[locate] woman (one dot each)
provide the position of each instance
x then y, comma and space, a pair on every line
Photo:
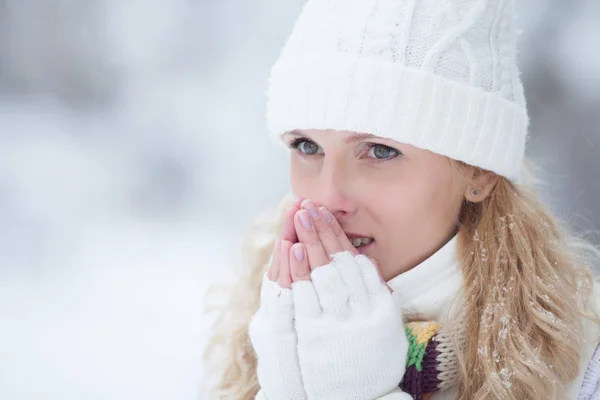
407, 125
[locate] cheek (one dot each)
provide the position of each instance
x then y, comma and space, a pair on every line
436, 197
423, 201
446, 195
403, 206
301, 178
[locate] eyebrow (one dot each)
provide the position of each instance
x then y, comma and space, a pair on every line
358, 136
352, 138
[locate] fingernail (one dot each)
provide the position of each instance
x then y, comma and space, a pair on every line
298, 252
305, 220
312, 209
326, 214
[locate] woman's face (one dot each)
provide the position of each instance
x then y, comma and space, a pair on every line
404, 198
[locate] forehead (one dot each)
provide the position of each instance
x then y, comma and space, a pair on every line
346, 136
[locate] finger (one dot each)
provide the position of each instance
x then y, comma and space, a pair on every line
285, 279
288, 231
308, 236
371, 277
306, 301
299, 267
273, 273
322, 220
383, 281
341, 235
298, 201
333, 293
265, 293
281, 309
348, 269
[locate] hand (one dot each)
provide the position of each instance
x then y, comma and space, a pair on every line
351, 340
271, 329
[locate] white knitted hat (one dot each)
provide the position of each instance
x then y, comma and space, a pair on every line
437, 74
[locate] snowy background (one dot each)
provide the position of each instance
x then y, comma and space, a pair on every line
133, 154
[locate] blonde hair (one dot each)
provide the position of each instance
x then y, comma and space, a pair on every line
527, 291
229, 358
527, 283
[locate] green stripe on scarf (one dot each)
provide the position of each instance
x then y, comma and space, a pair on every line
416, 351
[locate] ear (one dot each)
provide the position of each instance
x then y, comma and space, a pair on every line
480, 185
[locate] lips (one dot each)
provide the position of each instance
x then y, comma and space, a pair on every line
361, 241
365, 247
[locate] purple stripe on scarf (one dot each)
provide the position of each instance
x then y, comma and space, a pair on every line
411, 383
418, 384
431, 382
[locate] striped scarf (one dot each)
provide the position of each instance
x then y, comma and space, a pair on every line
431, 364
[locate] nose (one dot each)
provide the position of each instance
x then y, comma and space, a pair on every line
333, 190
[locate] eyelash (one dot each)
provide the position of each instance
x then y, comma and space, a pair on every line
294, 144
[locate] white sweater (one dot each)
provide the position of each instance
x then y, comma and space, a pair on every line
426, 292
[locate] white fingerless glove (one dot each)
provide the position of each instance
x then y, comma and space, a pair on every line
274, 339
351, 340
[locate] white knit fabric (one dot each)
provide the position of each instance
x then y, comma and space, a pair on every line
339, 341
590, 388
432, 291
351, 340
395, 395
428, 291
437, 74
274, 339
351, 343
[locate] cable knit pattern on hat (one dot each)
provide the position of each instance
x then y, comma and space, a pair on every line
437, 74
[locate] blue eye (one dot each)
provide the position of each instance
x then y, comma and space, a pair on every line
305, 146
382, 152
378, 152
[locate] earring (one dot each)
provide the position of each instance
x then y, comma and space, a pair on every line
475, 192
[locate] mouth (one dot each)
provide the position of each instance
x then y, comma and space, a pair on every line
361, 243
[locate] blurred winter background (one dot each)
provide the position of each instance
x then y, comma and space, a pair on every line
133, 154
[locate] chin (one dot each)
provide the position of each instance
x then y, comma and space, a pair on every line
371, 252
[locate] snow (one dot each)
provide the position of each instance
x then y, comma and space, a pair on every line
133, 154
